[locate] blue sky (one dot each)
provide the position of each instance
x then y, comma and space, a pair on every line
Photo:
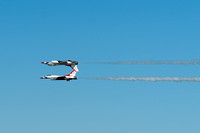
98, 31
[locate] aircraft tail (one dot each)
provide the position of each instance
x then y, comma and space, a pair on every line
75, 68
72, 74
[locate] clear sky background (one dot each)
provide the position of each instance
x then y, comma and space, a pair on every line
98, 31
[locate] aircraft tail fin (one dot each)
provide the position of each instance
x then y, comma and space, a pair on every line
75, 68
72, 74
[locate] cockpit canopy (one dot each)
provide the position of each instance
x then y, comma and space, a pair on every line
54, 61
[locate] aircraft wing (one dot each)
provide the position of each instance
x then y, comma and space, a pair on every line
61, 78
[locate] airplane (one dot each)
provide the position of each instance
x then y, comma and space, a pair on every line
57, 62
71, 76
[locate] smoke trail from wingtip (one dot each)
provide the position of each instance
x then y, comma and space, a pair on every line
154, 79
176, 62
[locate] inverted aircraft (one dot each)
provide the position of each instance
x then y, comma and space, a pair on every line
57, 62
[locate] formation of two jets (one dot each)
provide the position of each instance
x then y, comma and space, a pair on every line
71, 76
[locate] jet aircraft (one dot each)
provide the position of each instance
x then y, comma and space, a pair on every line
71, 76
57, 62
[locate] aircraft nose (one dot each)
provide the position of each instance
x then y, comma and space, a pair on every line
43, 62
41, 77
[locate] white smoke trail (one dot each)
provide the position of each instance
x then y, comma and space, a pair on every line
175, 79
176, 62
